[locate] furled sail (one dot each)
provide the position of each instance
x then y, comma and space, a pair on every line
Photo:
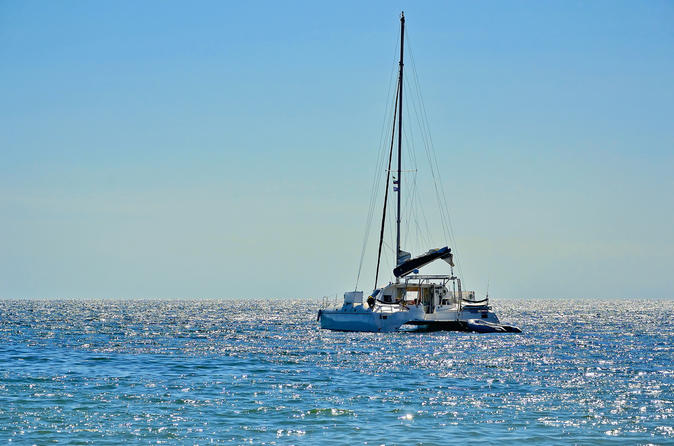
410, 265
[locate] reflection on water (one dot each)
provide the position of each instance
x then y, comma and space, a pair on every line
260, 370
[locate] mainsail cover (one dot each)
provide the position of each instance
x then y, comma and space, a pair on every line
417, 262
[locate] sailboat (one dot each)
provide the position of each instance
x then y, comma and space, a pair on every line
435, 302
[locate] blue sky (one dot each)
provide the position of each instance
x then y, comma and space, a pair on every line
207, 149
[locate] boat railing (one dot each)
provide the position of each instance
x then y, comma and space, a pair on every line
430, 277
387, 309
423, 279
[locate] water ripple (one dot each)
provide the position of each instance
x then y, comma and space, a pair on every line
81, 371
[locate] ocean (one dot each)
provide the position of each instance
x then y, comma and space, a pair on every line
261, 372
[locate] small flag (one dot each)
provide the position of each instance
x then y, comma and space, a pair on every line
395, 189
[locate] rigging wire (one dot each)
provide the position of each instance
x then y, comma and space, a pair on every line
388, 179
416, 206
413, 205
431, 154
376, 180
411, 200
427, 240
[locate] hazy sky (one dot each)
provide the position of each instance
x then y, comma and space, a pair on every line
214, 149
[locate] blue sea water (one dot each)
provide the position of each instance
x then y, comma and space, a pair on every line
261, 372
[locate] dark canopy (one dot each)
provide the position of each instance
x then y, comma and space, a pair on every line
417, 262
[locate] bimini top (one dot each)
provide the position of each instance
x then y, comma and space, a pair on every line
410, 265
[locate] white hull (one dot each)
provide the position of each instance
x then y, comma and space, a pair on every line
452, 314
454, 319
387, 318
383, 318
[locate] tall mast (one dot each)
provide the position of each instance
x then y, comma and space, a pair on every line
400, 129
388, 177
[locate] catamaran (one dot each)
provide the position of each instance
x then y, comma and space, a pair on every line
431, 301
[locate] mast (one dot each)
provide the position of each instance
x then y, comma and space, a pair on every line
400, 129
388, 177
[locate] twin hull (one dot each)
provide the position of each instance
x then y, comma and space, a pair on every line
388, 318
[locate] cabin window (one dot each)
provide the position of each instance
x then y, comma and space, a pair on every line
384, 317
411, 296
387, 298
484, 315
